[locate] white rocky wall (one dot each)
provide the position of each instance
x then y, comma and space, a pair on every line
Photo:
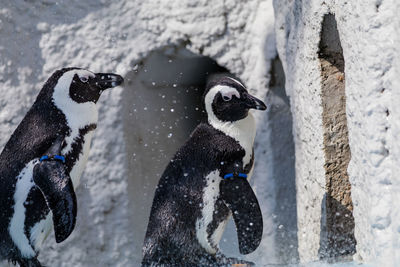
395, 148
368, 33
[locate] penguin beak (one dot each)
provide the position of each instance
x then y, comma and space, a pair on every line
108, 80
253, 102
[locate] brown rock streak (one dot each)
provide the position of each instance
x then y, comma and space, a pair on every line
339, 206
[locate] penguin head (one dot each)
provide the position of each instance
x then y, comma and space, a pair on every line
227, 100
83, 85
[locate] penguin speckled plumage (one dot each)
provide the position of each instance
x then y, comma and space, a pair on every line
43, 160
205, 182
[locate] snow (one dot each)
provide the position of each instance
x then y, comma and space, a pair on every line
243, 37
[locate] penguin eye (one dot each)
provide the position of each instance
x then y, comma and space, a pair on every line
227, 97
227, 93
84, 79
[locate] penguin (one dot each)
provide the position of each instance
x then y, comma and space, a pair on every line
42, 162
205, 183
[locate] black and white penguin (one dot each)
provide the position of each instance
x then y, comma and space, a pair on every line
42, 162
207, 181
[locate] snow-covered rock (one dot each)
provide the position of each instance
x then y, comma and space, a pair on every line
368, 32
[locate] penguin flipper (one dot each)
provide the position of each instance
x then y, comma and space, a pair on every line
56, 187
241, 200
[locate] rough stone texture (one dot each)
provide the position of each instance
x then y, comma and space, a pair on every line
337, 231
297, 47
394, 132
367, 31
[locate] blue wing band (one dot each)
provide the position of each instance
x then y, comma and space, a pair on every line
240, 174
55, 157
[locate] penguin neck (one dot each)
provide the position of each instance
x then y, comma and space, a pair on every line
78, 115
243, 131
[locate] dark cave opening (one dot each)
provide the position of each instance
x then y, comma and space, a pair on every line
162, 106
280, 121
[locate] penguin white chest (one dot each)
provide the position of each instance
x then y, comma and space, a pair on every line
210, 196
81, 161
16, 227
